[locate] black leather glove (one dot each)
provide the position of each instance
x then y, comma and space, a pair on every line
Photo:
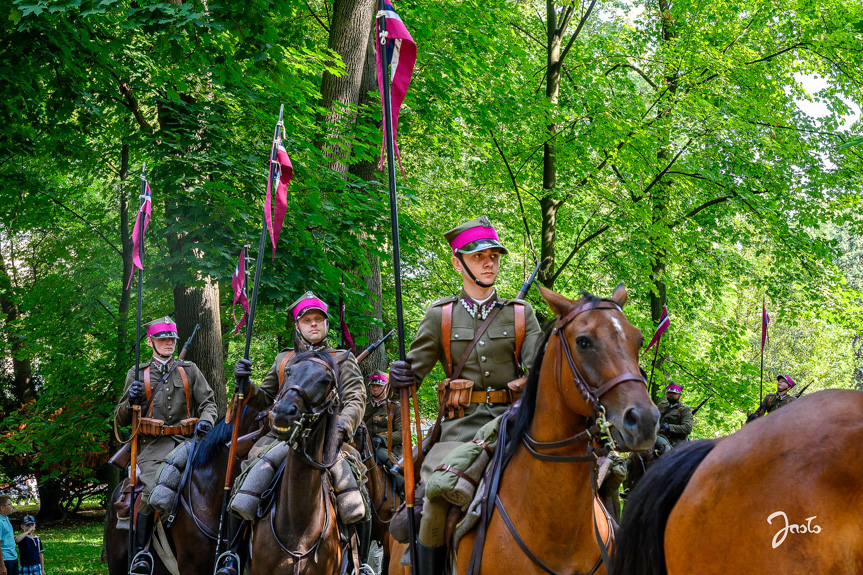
243, 374
344, 432
402, 375
136, 392
664, 428
203, 427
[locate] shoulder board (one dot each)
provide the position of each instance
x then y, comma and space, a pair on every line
443, 300
186, 363
514, 301
662, 404
286, 350
143, 364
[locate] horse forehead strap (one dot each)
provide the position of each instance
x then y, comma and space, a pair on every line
601, 304
326, 366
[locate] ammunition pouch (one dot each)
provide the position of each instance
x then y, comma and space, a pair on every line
454, 395
516, 387
153, 427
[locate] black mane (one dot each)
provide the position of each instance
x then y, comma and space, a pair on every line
527, 403
210, 446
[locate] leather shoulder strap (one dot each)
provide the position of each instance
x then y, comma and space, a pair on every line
482, 328
282, 365
519, 330
148, 389
185, 389
446, 333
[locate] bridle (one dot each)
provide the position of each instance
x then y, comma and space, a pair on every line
303, 425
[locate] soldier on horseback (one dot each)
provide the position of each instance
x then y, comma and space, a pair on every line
482, 341
675, 418
782, 397
383, 421
177, 402
311, 324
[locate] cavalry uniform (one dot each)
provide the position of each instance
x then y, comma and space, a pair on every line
675, 419
377, 419
182, 405
773, 401
185, 395
490, 366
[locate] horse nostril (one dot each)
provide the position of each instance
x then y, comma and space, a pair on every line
630, 418
293, 411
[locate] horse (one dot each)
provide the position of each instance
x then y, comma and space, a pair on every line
385, 499
196, 524
542, 514
298, 532
782, 494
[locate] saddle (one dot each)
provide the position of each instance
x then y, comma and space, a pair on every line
123, 504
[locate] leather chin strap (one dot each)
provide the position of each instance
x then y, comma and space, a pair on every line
460, 257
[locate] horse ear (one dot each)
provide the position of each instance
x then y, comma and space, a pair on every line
558, 304
620, 296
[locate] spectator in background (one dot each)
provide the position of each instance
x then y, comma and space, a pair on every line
30, 548
8, 553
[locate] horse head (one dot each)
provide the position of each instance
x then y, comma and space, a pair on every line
309, 392
596, 359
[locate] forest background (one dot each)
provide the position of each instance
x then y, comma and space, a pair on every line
708, 154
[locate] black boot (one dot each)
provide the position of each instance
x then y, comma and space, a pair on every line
432, 560
143, 564
230, 565
364, 540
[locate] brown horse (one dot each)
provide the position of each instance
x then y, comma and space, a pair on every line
299, 532
197, 522
782, 495
384, 498
585, 373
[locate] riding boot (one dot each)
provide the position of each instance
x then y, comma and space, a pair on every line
364, 538
143, 531
432, 560
233, 524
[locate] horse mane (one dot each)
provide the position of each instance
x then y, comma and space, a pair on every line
639, 547
211, 445
527, 403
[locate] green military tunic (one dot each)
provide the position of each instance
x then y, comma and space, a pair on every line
773, 401
169, 405
351, 390
376, 423
679, 420
491, 364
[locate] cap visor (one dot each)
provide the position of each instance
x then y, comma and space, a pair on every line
480, 245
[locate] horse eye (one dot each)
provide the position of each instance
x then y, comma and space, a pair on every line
583, 342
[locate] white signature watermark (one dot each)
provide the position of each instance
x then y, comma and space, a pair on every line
780, 536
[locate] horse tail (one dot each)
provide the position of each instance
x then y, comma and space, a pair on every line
639, 549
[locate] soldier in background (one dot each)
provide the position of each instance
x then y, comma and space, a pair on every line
383, 414
782, 397
181, 406
675, 418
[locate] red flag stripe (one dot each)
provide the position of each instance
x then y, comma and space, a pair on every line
137, 236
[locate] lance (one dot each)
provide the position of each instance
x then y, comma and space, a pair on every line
652, 365
404, 394
370, 349
237, 401
136, 408
761, 385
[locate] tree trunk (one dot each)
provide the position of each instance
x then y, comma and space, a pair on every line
366, 170
200, 305
349, 31
548, 204
50, 495
23, 386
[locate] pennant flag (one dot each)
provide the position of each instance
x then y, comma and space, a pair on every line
765, 319
664, 323
138, 236
281, 171
238, 282
401, 55
347, 340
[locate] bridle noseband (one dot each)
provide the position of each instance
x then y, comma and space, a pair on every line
302, 427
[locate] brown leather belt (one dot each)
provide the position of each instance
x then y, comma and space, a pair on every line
500, 396
167, 430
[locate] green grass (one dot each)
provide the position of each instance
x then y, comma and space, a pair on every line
73, 549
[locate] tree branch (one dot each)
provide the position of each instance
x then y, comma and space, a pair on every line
529, 35
517, 193
577, 31
637, 70
321, 22
779, 53
90, 225
132, 104
668, 167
